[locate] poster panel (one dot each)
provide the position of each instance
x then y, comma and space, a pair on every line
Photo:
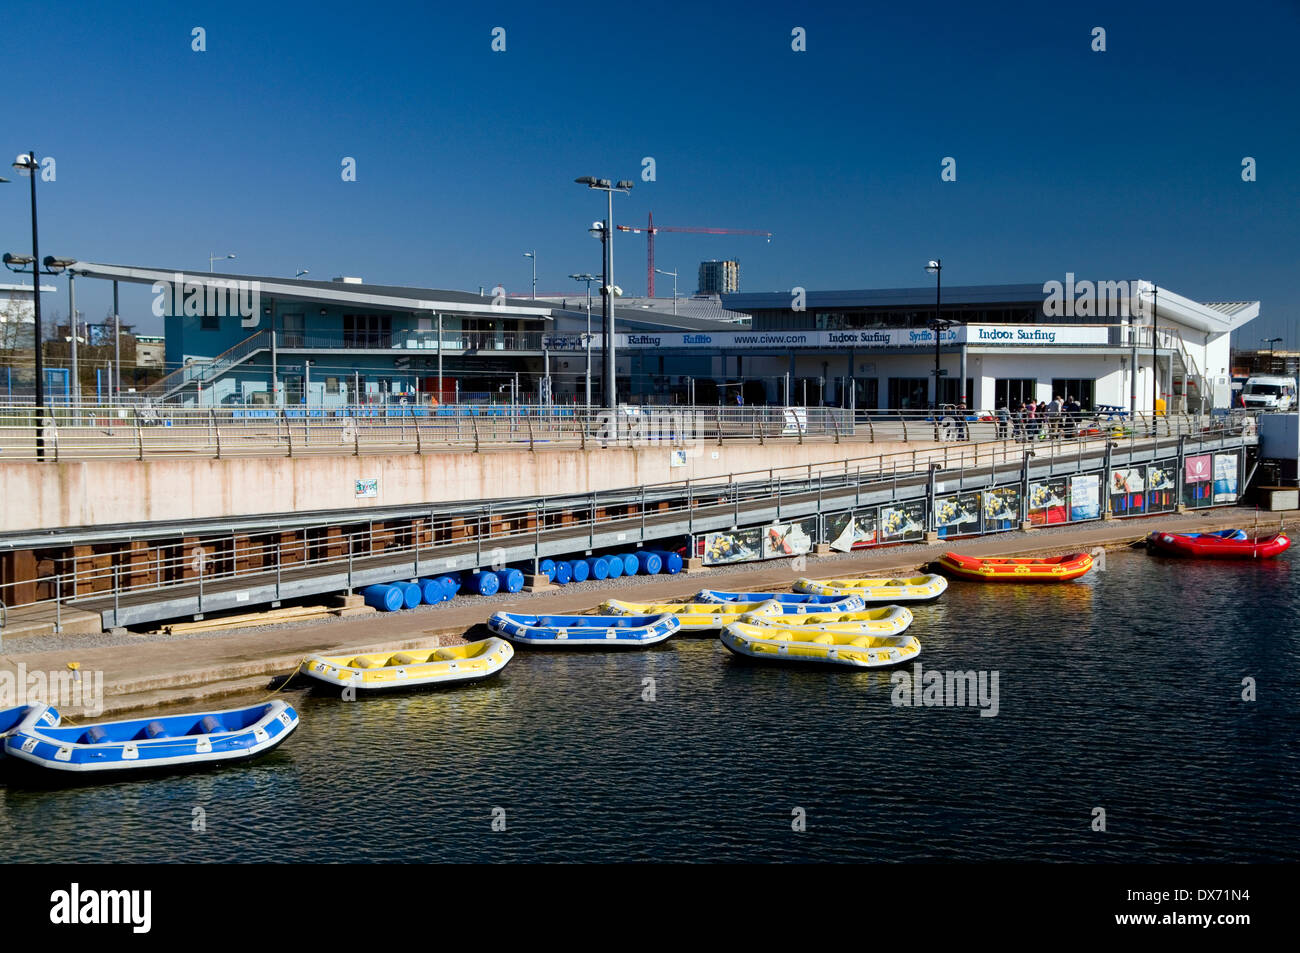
1162, 486
1047, 501
789, 539
1002, 508
1128, 491
902, 522
852, 530
957, 515
1225, 478
1198, 480
1085, 496
737, 546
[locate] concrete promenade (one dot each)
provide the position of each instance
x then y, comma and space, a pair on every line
156, 672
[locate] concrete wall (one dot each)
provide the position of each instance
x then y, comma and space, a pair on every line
110, 492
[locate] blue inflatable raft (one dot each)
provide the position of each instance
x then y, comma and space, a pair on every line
792, 603
144, 744
573, 631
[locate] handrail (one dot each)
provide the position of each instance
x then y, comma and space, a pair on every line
187, 373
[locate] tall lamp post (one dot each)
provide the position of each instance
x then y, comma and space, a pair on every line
938, 325
1270, 342
28, 166
533, 255
673, 276
586, 338
212, 259
1154, 292
607, 291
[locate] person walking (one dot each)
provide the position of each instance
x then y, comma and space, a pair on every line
1054, 417
1004, 420
1031, 420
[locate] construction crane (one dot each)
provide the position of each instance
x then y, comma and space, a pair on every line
651, 228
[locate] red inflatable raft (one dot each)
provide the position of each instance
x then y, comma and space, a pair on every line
1050, 569
1216, 547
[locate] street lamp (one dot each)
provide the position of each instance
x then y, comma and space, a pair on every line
938, 325
607, 290
1154, 292
586, 338
300, 272
533, 255
1270, 342
216, 258
27, 165
673, 275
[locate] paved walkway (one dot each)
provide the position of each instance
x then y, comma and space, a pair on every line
158, 672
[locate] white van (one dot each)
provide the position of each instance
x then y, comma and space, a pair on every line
1270, 393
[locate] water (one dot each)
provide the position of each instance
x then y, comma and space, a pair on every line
1121, 692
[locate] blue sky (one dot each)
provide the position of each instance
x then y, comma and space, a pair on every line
1119, 164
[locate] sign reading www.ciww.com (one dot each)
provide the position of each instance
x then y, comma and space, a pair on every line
209, 297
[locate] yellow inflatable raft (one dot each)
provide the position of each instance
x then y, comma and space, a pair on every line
411, 668
908, 589
773, 644
887, 620
694, 616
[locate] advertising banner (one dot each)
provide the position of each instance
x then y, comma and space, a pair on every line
789, 539
1128, 491
854, 530
1047, 502
1002, 508
1162, 486
1085, 496
957, 515
902, 521
1198, 480
737, 546
1225, 478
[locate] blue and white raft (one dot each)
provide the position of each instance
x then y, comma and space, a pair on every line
11, 718
144, 744
792, 603
574, 631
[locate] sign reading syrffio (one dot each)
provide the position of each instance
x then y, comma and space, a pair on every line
876, 339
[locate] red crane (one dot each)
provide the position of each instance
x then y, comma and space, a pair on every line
651, 228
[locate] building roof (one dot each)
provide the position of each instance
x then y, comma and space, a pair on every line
335, 292
1213, 318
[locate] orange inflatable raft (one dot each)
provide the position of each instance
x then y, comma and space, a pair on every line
1049, 569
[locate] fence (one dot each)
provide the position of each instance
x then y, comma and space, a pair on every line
146, 431
917, 484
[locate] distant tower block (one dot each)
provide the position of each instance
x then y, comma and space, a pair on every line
719, 277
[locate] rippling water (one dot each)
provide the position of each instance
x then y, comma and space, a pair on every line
1122, 692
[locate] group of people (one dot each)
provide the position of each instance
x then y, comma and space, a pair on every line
1045, 420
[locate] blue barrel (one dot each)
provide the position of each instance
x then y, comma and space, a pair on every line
649, 563
615, 565
580, 570
547, 568
599, 567
411, 594
484, 583
563, 573
512, 580
451, 583
432, 591
630, 564
672, 563
384, 598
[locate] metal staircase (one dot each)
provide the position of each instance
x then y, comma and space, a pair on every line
205, 372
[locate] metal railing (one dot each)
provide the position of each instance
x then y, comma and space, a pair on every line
220, 561
148, 431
